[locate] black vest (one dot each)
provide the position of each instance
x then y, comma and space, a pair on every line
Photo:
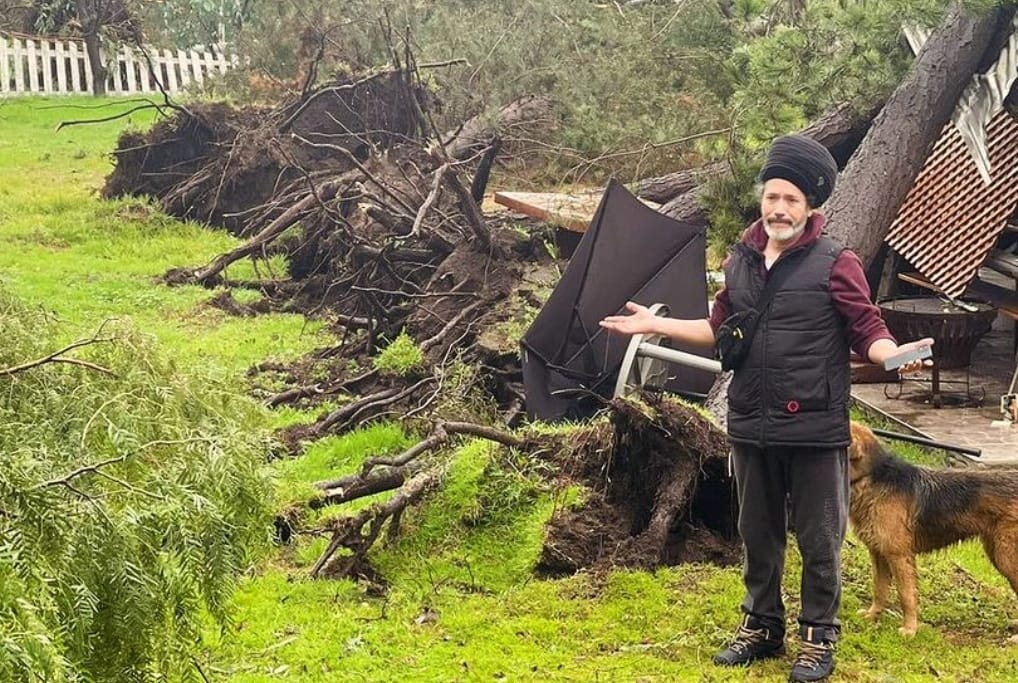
793, 388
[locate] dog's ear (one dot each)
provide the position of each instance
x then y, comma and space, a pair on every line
862, 440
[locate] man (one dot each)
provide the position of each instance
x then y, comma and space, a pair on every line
788, 400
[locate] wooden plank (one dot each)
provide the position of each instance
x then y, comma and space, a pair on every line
572, 211
210, 63
18, 51
144, 75
46, 65
5, 69
88, 68
61, 62
171, 72
127, 57
185, 69
115, 75
557, 209
196, 63
33, 66
77, 63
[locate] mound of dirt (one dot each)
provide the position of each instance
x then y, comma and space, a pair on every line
215, 163
659, 494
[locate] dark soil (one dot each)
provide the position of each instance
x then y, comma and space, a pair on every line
632, 516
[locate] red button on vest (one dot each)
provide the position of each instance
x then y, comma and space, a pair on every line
792, 406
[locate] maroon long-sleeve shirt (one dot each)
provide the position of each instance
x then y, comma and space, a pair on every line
849, 289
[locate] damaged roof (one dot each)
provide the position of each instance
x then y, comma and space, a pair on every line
951, 218
968, 187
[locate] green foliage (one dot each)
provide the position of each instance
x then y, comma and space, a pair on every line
401, 357
130, 501
177, 23
637, 90
792, 69
731, 201
789, 69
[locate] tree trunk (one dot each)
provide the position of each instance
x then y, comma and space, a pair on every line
95, 63
881, 172
479, 132
671, 185
89, 14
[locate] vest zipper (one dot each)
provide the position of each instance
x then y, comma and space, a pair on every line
766, 415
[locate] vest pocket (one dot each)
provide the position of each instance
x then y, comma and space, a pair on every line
800, 385
744, 394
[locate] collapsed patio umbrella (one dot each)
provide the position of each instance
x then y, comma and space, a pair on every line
630, 252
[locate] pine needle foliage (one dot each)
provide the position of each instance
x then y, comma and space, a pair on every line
129, 502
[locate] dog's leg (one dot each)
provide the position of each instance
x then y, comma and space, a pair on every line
1003, 552
881, 586
907, 582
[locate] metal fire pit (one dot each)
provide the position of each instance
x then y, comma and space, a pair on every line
955, 331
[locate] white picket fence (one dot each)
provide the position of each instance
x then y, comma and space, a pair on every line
32, 65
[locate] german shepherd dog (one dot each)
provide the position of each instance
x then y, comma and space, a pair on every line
899, 510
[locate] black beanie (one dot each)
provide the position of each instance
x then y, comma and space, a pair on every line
805, 163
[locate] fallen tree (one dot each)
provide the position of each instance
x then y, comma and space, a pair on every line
376, 219
872, 187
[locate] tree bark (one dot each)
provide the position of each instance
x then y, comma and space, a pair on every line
881, 172
480, 131
94, 52
671, 185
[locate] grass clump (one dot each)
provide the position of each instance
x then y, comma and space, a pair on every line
401, 357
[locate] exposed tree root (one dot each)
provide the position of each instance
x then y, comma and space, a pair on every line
356, 534
659, 492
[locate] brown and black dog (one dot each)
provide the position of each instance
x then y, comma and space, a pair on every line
899, 510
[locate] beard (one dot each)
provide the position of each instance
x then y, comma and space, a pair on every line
784, 232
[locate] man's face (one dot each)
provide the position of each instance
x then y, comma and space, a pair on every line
784, 210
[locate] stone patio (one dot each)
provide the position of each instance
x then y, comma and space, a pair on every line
964, 419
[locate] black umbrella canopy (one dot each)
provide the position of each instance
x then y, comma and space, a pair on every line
630, 252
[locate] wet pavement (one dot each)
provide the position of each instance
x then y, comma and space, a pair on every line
970, 414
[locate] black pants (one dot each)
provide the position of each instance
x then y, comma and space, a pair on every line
815, 483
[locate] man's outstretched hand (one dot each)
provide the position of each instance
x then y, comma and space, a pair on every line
639, 321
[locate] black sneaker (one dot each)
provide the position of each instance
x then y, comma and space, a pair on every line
815, 660
754, 640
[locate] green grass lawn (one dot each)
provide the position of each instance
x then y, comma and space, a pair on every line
461, 603
88, 260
